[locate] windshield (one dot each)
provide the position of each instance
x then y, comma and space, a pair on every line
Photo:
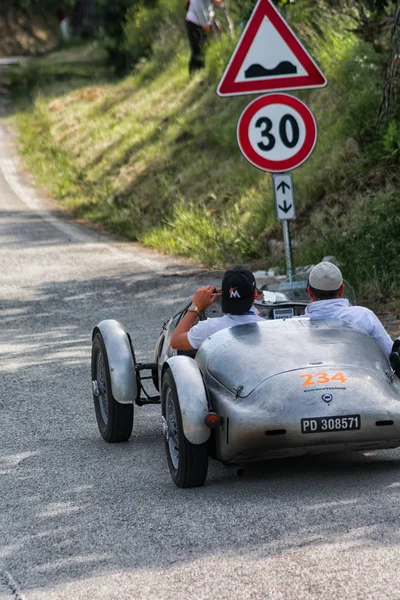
294, 289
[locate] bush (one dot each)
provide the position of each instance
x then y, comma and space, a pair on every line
143, 22
391, 141
202, 234
364, 240
140, 26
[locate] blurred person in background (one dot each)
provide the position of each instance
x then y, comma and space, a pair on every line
64, 26
200, 18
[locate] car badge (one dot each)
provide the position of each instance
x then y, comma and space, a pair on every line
327, 398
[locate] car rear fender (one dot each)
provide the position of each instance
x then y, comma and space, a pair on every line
120, 359
192, 397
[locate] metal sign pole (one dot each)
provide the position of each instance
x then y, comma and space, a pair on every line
288, 249
285, 211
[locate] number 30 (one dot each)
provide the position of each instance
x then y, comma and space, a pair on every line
283, 132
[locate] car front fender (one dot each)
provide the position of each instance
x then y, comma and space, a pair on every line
120, 360
192, 398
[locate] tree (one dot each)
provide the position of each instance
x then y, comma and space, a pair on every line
391, 91
49, 6
84, 18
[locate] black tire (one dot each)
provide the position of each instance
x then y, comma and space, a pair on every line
115, 421
188, 464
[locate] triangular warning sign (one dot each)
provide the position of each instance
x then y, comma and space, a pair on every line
269, 57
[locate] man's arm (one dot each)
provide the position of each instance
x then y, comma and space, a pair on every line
204, 297
380, 334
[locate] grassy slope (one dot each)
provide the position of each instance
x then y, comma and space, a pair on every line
155, 148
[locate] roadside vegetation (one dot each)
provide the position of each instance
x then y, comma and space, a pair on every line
152, 155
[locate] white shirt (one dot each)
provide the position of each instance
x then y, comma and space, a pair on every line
361, 317
200, 332
200, 12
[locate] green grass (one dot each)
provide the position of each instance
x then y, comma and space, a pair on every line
154, 157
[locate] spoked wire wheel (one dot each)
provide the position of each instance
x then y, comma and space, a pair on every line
102, 387
187, 462
114, 420
171, 433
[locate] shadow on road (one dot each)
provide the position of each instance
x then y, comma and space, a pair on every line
75, 508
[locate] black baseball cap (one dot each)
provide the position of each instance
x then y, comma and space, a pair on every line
238, 285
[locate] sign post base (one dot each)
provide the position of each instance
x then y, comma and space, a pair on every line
288, 249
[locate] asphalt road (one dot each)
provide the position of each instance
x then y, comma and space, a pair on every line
81, 520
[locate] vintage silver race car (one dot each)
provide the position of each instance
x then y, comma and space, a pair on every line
282, 387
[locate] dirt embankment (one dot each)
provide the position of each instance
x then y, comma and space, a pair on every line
23, 34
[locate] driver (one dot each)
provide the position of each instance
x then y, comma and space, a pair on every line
325, 288
237, 296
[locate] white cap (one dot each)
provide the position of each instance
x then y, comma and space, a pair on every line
325, 277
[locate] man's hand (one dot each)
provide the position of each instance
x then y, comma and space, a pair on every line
205, 296
187, 5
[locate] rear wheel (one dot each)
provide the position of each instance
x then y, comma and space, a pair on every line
187, 462
115, 421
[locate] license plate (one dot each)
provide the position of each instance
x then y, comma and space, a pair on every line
283, 313
330, 424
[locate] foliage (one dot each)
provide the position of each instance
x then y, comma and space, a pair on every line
112, 15
130, 27
141, 23
144, 21
154, 156
391, 140
200, 233
366, 247
38, 5
379, 6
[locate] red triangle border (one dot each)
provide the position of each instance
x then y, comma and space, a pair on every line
229, 87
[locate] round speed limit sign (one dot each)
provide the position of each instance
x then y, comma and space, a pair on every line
277, 132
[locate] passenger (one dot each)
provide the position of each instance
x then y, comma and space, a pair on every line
238, 294
325, 288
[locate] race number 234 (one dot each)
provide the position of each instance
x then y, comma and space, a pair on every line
320, 378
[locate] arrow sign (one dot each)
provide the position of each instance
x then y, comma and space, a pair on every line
282, 186
285, 207
284, 198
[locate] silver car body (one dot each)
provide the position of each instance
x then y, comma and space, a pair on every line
271, 379
192, 398
280, 386
121, 360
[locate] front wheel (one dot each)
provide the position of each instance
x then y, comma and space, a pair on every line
115, 420
187, 462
